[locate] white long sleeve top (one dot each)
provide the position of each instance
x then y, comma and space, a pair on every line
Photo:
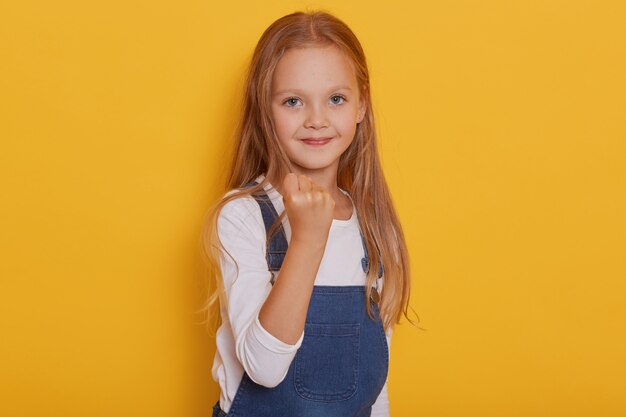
242, 342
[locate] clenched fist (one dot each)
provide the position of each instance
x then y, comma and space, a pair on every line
310, 209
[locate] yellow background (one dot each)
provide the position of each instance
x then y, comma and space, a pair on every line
503, 138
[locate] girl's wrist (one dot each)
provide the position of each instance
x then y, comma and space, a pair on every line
309, 245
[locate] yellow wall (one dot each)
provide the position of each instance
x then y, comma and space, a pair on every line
503, 138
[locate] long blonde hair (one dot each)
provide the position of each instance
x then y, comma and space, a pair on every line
257, 152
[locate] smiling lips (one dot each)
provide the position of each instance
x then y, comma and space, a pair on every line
316, 141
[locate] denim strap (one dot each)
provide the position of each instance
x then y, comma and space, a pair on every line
277, 248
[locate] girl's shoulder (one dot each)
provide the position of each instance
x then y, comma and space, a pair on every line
244, 203
240, 216
244, 208
247, 201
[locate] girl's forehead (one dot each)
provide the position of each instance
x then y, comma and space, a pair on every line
305, 56
315, 67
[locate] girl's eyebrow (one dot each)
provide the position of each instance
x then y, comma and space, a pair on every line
298, 91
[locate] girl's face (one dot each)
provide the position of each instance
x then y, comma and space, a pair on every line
315, 95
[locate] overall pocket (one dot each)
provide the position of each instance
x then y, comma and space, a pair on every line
327, 363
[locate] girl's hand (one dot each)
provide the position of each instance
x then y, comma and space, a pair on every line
309, 208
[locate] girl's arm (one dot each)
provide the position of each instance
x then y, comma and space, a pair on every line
284, 312
266, 350
310, 212
246, 280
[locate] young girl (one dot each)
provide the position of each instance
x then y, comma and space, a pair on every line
310, 260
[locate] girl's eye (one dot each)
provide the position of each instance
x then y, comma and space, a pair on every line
337, 97
291, 100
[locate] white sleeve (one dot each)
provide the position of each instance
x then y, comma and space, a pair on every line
265, 358
381, 406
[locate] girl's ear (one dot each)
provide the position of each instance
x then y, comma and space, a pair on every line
362, 109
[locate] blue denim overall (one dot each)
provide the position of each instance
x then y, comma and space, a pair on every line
342, 364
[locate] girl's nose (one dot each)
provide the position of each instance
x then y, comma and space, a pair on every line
316, 118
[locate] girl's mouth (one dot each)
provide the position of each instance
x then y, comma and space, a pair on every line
316, 141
